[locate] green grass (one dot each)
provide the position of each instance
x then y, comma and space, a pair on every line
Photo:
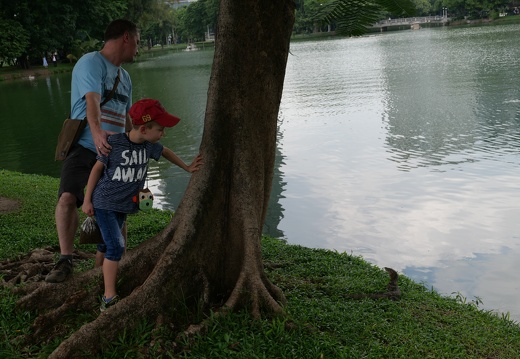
511, 19
33, 225
320, 321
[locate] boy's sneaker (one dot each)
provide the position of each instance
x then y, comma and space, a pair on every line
60, 271
107, 303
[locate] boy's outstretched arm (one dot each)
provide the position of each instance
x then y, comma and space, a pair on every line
173, 158
95, 175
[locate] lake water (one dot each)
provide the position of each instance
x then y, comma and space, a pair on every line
402, 147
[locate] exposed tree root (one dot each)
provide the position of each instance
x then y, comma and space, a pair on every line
147, 302
252, 288
34, 266
135, 267
260, 293
108, 325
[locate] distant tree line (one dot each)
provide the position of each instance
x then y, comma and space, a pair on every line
32, 29
467, 9
310, 13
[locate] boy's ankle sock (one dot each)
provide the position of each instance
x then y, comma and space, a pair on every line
108, 300
66, 256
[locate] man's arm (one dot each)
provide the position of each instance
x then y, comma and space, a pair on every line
99, 136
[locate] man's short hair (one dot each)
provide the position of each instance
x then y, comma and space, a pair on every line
117, 28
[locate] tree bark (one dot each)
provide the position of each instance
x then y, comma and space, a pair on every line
209, 255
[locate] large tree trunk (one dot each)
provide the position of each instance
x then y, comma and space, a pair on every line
210, 252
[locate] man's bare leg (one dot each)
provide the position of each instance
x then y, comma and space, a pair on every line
67, 220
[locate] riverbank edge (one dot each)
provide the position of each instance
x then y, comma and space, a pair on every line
14, 73
320, 319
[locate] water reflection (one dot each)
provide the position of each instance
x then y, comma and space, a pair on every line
29, 127
417, 168
425, 126
275, 210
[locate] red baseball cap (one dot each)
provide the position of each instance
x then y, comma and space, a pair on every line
147, 110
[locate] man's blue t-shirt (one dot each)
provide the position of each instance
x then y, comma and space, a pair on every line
94, 73
125, 173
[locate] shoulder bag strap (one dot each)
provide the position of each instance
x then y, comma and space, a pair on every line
113, 91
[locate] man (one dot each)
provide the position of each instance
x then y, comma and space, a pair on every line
93, 78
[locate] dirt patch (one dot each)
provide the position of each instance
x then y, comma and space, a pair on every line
8, 205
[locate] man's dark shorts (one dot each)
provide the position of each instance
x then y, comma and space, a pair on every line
75, 172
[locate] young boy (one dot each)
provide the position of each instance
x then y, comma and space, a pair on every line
117, 178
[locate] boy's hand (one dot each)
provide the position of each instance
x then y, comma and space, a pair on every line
196, 164
88, 209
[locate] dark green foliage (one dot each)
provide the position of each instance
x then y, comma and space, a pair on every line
54, 25
14, 40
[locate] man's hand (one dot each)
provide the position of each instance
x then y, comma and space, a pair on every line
100, 141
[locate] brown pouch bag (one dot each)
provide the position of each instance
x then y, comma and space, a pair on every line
69, 135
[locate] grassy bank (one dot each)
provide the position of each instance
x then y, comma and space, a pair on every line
321, 322
15, 73
506, 20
